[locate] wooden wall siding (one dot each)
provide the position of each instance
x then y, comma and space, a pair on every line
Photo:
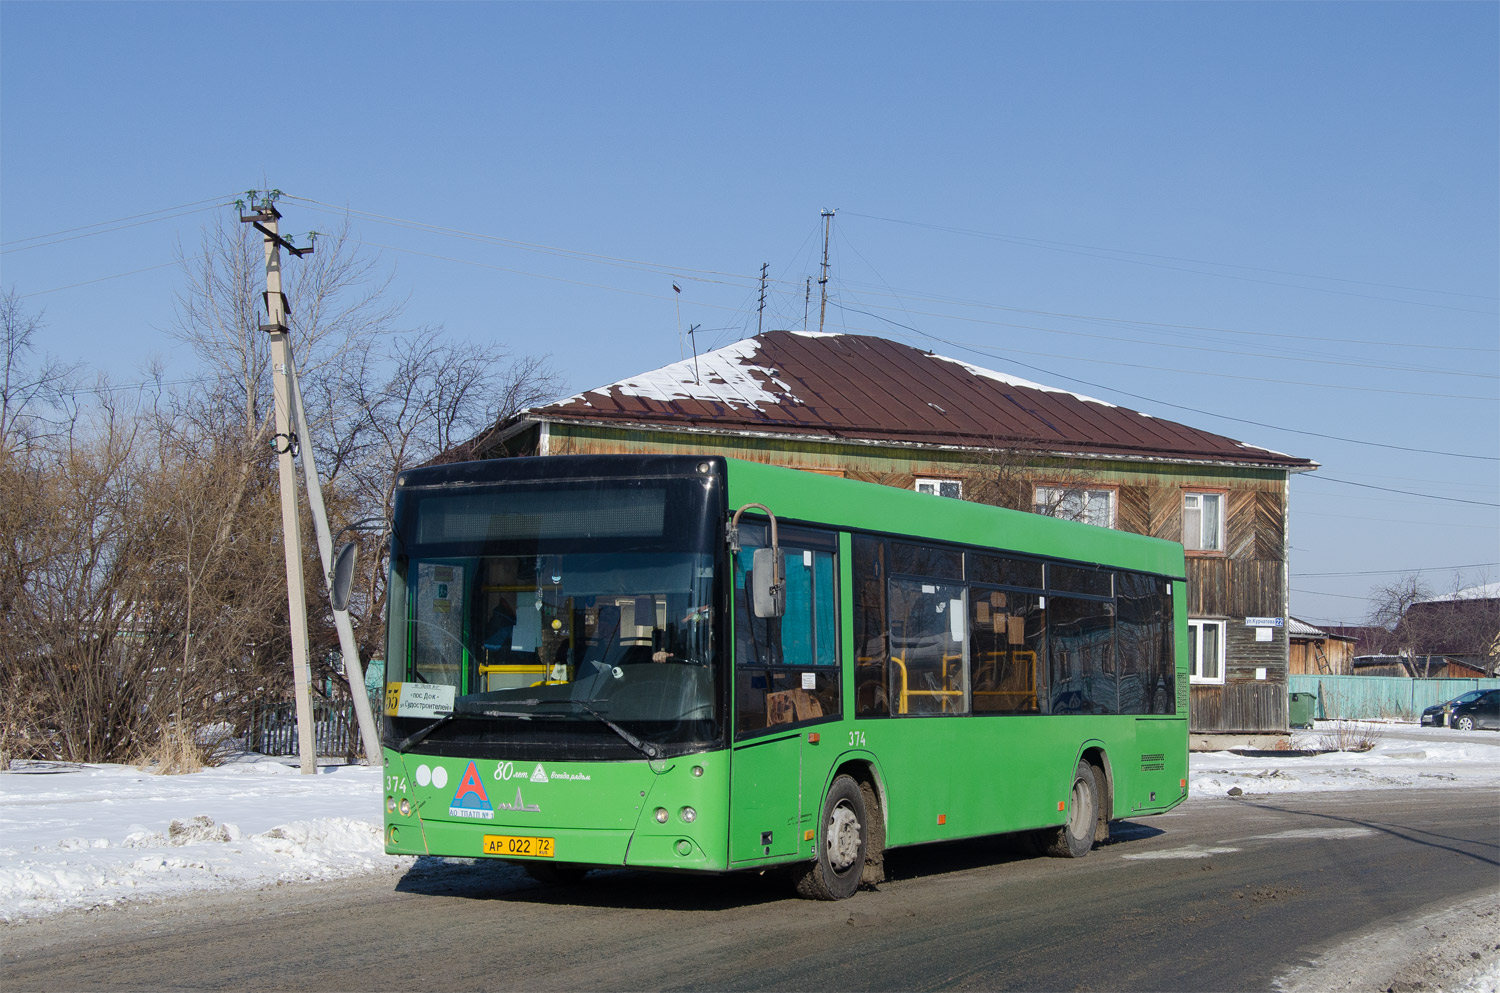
1337, 654
1166, 512
1244, 708
1239, 525
1245, 654
1133, 510
1220, 587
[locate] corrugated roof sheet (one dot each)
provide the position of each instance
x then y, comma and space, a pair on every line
843, 387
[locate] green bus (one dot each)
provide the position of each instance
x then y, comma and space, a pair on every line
698, 663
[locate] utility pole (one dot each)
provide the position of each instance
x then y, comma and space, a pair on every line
761, 311
806, 303
823, 280
286, 443
348, 646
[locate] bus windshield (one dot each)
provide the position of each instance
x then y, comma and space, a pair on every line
561, 617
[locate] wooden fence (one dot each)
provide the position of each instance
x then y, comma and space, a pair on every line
272, 729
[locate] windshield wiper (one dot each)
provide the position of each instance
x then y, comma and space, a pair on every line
646, 748
416, 737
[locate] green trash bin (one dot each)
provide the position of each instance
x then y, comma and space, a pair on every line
1301, 709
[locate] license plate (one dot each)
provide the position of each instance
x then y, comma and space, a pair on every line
505, 844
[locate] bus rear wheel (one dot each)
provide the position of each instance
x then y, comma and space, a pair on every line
1075, 838
843, 841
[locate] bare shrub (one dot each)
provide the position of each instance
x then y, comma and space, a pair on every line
175, 751
1349, 736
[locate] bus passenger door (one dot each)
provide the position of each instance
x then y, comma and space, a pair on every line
765, 795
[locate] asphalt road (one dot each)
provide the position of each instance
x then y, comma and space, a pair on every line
1222, 894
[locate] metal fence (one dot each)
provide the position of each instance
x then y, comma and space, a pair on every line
272, 729
1390, 697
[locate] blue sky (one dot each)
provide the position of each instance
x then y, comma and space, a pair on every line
1283, 214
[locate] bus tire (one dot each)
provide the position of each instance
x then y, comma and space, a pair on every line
558, 874
843, 839
1075, 838
874, 871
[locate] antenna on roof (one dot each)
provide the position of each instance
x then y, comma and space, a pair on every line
823, 282
691, 332
677, 295
761, 312
806, 303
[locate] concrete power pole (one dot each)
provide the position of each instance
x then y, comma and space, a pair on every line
265, 220
348, 646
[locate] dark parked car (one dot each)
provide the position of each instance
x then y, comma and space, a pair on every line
1437, 715
1481, 713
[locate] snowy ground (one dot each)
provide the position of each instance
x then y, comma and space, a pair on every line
79, 837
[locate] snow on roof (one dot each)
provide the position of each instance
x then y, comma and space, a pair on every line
724, 375
1486, 591
1001, 377
864, 389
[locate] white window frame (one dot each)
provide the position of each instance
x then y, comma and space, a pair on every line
1046, 499
1195, 651
934, 485
1200, 541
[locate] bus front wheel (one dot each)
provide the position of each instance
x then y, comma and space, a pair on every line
843, 840
1075, 838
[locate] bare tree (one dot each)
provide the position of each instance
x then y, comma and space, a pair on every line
409, 404
1031, 481
1389, 603
24, 389
141, 589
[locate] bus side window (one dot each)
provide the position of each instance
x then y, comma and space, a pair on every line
1007, 629
773, 654
872, 635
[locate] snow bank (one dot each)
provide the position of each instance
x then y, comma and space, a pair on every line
1404, 757
74, 837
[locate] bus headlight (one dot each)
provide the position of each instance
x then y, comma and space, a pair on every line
688, 815
390, 805
405, 808
662, 815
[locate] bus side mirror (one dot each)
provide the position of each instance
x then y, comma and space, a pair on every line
343, 575
769, 586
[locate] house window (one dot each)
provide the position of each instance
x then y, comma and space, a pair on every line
1203, 522
1206, 651
1072, 503
941, 487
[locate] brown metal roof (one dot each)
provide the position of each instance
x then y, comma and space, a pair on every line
857, 388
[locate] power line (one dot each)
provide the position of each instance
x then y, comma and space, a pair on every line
1074, 249
748, 279
1341, 596
1217, 350
1392, 520
197, 205
1395, 572
118, 275
655, 267
1429, 496
1195, 410
1172, 326
1251, 379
